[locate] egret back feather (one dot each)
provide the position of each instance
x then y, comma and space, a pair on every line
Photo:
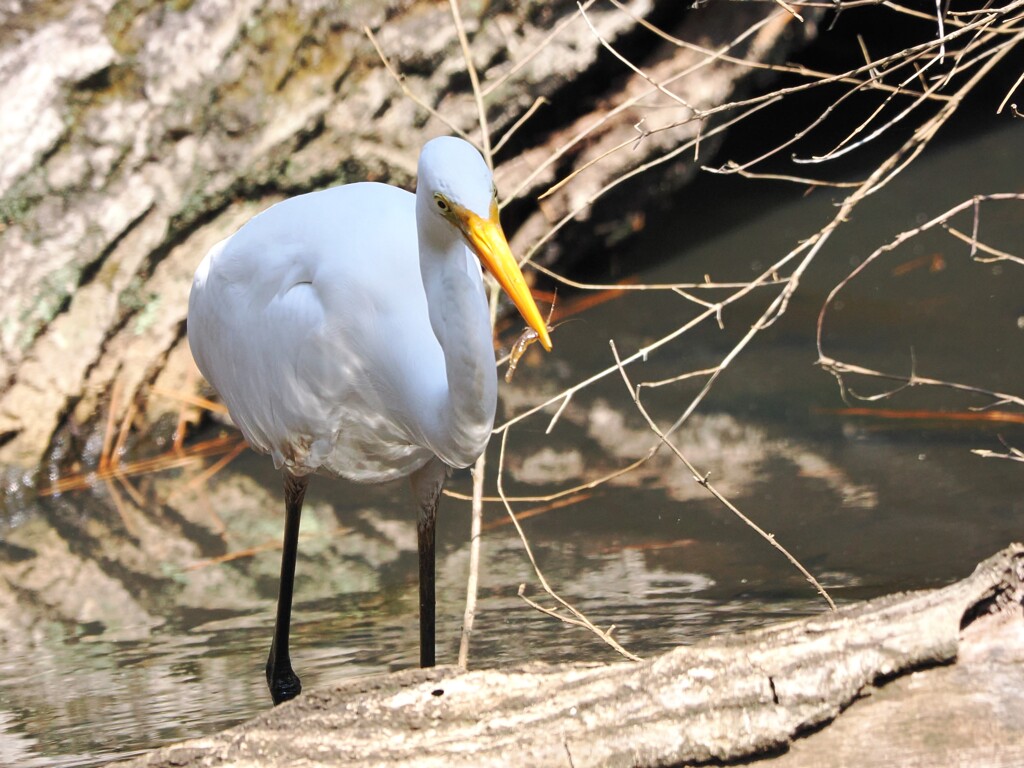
286, 319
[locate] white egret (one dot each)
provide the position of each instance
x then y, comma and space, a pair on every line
347, 331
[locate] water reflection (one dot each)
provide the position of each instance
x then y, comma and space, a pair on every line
114, 643
124, 628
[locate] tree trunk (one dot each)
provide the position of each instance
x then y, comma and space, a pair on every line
136, 135
726, 699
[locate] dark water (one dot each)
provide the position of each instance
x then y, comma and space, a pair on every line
115, 641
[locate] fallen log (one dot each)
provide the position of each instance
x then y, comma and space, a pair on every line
736, 697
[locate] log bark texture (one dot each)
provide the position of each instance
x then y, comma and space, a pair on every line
728, 699
135, 134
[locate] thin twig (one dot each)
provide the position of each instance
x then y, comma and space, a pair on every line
840, 369
633, 67
475, 529
994, 254
703, 482
476, 524
409, 94
492, 87
467, 54
473, 579
587, 486
537, 104
575, 616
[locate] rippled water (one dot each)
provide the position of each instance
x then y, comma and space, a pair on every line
119, 633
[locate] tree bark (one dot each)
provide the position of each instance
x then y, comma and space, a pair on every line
136, 135
726, 699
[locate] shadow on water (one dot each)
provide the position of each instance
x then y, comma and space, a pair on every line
114, 642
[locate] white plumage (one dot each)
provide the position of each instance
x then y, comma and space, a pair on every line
312, 323
347, 330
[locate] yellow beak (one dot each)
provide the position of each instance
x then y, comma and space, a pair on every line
488, 242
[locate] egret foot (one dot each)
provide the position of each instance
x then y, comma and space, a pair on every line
284, 684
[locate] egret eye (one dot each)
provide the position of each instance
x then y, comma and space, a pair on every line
442, 204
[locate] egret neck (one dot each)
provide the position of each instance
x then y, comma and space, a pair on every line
458, 430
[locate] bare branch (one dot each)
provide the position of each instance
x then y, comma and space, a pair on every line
409, 94
575, 616
703, 482
467, 55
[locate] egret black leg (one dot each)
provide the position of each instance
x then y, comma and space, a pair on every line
283, 682
427, 483
425, 528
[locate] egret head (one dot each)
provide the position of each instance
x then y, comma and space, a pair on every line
459, 187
